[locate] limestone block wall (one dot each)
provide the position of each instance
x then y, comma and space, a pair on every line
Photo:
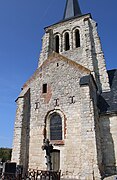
76, 54
45, 47
91, 159
94, 97
108, 126
89, 54
62, 79
97, 55
78, 149
16, 153
20, 153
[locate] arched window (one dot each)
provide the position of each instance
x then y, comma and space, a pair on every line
55, 127
57, 43
67, 45
77, 38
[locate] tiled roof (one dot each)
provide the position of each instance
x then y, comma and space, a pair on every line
108, 100
72, 9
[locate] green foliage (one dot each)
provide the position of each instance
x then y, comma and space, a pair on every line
5, 154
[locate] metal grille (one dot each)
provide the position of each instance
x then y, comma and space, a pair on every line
9, 176
42, 175
55, 127
33, 175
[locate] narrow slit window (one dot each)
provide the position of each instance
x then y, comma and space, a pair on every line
67, 44
57, 44
44, 88
77, 38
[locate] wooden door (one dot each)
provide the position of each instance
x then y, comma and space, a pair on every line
55, 158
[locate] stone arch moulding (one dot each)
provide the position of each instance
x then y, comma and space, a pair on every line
47, 126
75, 41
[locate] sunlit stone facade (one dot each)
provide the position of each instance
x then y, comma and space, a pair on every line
66, 101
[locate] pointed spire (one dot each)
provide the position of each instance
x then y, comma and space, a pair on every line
72, 9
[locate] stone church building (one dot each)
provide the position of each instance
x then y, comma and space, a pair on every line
71, 99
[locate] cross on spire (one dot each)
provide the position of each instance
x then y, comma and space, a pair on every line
72, 9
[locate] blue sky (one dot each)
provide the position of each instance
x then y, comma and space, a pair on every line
21, 30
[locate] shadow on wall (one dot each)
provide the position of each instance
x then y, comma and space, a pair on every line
108, 151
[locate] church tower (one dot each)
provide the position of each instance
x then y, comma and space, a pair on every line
76, 38
60, 101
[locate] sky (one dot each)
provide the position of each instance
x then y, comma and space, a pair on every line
22, 25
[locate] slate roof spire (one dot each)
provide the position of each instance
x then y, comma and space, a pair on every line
72, 9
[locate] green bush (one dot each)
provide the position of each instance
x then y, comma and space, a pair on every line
5, 154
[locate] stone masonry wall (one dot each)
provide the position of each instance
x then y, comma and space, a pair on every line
78, 150
98, 59
63, 81
16, 153
91, 150
108, 126
94, 97
20, 153
89, 54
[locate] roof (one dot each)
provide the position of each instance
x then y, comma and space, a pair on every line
72, 9
85, 80
68, 19
108, 100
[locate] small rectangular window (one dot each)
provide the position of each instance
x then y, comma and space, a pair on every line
44, 88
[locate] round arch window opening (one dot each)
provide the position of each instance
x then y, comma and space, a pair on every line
55, 127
